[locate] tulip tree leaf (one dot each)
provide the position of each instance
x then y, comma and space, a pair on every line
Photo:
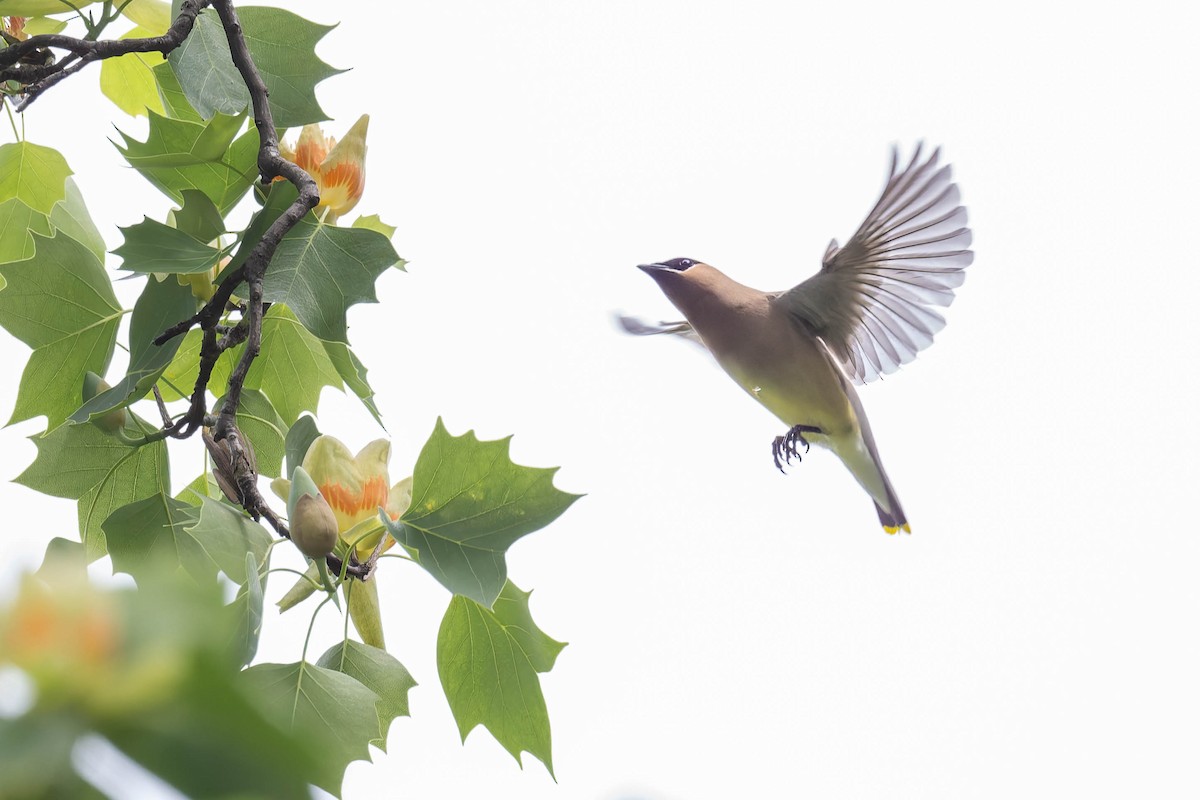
332, 710
488, 661
72, 218
162, 304
151, 246
321, 270
280, 195
228, 535
152, 15
181, 154
202, 487
299, 438
103, 473
18, 223
198, 217
146, 539
291, 368
35, 175
470, 503
354, 373
284, 49
379, 672
37, 8
372, 222
175, 102
247, 610
161, 534
61, 304
128, 80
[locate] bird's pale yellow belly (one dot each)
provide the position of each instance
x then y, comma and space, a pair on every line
794, 380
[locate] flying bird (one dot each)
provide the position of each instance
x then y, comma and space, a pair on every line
867, 311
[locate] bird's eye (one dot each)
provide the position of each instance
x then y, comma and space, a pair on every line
680, 264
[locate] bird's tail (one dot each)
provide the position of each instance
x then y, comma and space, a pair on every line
862, 459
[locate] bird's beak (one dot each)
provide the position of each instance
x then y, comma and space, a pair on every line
650, 269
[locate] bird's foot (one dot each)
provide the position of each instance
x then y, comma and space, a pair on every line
784, 448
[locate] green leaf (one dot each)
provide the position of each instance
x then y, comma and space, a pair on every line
35, 757
488, 662
161, 304
279, 195
64, 555
178, 143
33, 174
470, 503
38, 8
292, 365
299, 438
321, 270
283, 46
128, 81
179, 155
152, 15
247, 610
198, 217
229, 535
261, 424
160, 535
18, 220
330, 709
147, 539
61, 304
36, 26
205, 70
72, 218
184, 369
354, 373
379, 672
83, 463
175, 103
374, 223
151, 246
203, 487
18, 223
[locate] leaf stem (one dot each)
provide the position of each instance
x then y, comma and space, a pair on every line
311, 622
11, 120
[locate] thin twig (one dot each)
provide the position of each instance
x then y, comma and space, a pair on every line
37, 78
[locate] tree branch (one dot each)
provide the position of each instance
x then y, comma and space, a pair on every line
237, 467
37, 78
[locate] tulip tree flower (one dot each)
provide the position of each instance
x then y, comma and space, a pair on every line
338, 167
355, 487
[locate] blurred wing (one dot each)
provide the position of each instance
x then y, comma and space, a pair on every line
871, 300
639, 327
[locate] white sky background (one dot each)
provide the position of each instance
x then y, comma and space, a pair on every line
734, 632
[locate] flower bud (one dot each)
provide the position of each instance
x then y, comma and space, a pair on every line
313, 527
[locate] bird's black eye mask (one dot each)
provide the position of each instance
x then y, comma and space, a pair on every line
679, 264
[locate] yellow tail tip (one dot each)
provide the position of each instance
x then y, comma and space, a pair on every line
892, 530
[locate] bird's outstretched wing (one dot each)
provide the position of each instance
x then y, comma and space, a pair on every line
871, 300
639, 327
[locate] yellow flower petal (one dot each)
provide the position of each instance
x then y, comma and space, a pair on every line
354, 486
343, 170
312, 148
